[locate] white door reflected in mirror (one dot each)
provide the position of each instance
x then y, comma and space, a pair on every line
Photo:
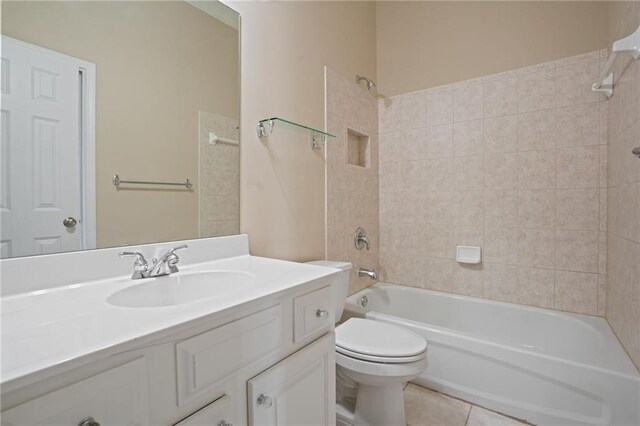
44, 127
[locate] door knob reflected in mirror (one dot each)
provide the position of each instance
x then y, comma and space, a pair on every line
69, 222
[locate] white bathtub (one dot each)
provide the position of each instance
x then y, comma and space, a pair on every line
544, 366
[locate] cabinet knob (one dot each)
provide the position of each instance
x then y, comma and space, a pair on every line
264, 401
224, 423
322, 314
88, 421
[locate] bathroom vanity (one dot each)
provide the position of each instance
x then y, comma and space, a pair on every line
83, 343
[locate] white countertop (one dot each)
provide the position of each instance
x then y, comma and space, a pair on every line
46, 328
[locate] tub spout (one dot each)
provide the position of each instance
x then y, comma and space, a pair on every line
371, 273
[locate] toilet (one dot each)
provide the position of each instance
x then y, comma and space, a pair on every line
373, 362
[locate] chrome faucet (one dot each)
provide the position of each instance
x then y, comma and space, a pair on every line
371, 273
167, 263
360, 239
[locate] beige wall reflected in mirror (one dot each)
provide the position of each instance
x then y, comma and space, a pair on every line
167, 108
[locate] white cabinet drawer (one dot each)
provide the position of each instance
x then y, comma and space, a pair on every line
313, 313
209, 358
218, 413
115, 397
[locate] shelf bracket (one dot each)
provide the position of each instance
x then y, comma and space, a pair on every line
317, 138
314, 141
262, 129
606, 86
630, 45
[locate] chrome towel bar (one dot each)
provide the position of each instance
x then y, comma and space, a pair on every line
117, 181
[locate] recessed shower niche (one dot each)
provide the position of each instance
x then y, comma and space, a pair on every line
358, 149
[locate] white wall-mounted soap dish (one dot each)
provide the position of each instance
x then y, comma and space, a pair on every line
468, 254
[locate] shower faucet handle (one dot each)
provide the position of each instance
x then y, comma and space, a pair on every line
360, 239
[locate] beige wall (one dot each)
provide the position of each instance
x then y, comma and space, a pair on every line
352, 190
285, 46
155, 65
623, 226
510, 162
425, 44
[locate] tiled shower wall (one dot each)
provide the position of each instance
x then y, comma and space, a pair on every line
514, 163
623, 278
352, 190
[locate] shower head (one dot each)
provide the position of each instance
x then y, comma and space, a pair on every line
370, 83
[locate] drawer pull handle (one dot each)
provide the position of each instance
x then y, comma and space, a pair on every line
265, 401
322, 314
88, 421
224, 423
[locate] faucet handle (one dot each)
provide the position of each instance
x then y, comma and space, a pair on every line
183, 246
360, 239
139, 266
139, 256
171, 254
172, 258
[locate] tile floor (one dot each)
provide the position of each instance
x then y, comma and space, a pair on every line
424, 407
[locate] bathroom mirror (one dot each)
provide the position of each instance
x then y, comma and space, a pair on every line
119, 123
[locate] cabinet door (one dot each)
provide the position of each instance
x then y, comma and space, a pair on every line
298, 391
115, 397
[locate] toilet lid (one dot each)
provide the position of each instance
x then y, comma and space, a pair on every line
378, 339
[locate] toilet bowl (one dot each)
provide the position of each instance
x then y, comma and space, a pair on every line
373, 361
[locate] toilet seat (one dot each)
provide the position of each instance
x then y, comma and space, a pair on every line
381, 359
375, 341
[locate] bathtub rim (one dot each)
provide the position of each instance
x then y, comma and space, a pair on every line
598, 324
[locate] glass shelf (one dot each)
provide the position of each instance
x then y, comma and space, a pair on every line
265, 129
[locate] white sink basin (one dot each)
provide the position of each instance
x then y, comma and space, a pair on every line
182, 288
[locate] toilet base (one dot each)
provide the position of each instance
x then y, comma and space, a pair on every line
376, 405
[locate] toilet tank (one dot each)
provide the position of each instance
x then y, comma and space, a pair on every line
342, 287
